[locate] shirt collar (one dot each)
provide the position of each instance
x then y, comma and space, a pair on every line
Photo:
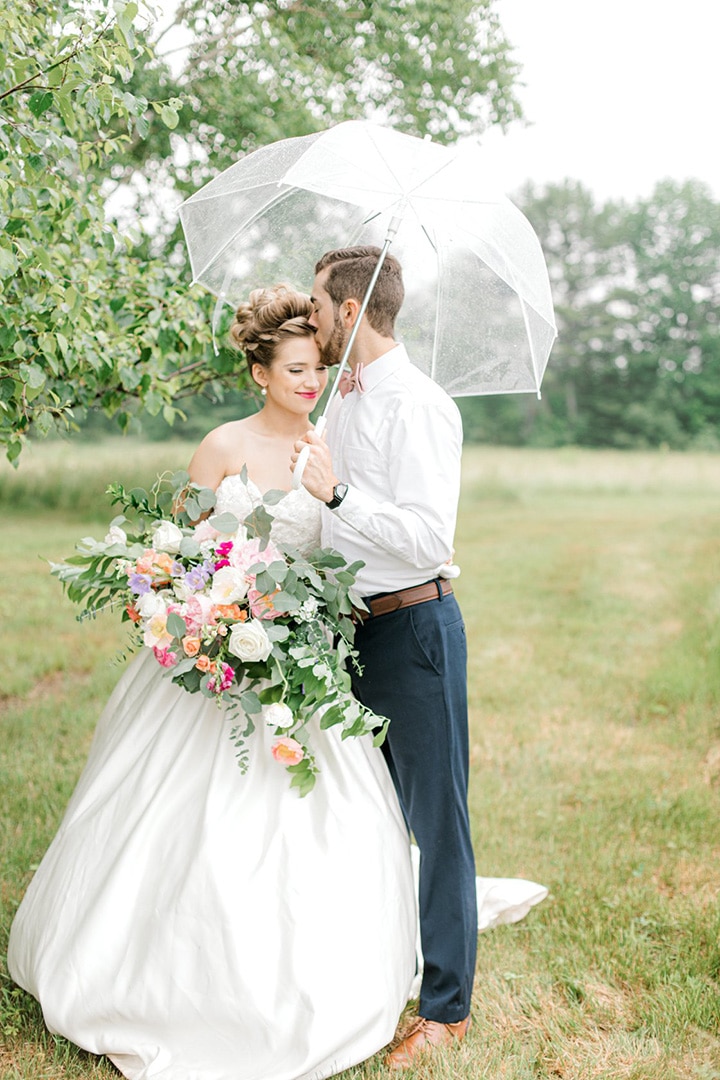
385, 365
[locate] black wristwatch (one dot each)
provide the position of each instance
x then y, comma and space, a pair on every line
339, 493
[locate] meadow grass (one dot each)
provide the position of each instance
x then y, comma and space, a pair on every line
591, 591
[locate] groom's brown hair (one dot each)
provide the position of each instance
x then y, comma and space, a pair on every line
350, 272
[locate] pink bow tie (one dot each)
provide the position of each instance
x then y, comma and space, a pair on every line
351, 380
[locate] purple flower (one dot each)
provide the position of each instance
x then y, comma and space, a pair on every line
197, 578
140, 584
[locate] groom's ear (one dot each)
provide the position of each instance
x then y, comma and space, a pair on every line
349, 310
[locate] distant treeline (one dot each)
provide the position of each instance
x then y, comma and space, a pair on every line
636, 288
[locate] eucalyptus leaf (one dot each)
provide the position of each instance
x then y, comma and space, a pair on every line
250, 702
225, 523
176, 625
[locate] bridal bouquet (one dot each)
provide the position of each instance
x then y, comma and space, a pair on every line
264, 632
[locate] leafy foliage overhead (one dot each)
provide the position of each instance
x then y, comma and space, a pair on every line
90, 317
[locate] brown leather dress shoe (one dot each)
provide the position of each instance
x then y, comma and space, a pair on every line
422, 1036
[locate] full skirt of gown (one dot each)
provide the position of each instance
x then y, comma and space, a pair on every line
194, 923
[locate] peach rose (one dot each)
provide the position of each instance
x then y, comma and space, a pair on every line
229, 611
163, 561
287, 751
191, 645
204, 663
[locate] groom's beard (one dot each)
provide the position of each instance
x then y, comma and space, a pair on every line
331, 352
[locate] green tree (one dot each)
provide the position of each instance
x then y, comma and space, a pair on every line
258, 72
669, 316
636, 290
91, 318
84, 320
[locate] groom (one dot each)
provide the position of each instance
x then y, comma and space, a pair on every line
389, 475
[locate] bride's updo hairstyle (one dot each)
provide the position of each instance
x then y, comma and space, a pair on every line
267, 318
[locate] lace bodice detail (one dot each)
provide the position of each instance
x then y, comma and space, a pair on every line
296, 518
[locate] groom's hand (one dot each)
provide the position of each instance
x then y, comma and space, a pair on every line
319, 476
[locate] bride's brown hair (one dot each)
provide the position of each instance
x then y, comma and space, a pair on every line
268, 317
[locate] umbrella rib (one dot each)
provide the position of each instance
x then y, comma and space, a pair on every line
425, 178
246, 224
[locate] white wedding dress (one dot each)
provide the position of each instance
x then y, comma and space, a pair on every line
193, 923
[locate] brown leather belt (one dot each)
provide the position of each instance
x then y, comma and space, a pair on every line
417, 594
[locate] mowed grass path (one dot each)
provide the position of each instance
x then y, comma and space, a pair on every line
591, 591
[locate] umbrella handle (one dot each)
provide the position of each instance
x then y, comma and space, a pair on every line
305, 454
322, 420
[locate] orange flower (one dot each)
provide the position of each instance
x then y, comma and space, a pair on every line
204, 663
229, 611
191, 645
133, 613
163, 560
287, 751
143, 565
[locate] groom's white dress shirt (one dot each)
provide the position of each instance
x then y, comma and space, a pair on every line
398, 446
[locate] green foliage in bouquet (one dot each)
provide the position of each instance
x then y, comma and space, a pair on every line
265, 632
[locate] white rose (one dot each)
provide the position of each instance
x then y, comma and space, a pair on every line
151, 604
228, 585
278, 715
167, 537
116, 535
248, 641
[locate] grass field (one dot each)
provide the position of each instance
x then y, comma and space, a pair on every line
591, 590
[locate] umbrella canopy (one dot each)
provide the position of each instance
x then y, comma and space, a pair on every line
478, 315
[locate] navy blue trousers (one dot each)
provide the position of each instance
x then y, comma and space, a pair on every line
415, 672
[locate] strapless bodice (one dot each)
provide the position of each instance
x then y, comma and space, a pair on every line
296, 518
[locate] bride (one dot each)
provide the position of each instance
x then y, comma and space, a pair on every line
193, 923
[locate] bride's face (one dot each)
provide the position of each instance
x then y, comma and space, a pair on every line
296, 378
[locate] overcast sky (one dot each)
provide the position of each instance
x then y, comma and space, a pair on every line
621, 94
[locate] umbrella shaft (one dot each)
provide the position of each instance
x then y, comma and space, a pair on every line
392, 229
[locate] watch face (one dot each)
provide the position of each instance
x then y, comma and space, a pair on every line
339, 493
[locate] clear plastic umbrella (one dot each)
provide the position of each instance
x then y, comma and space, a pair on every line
478, 315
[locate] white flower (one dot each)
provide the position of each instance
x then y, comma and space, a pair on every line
151, 604
167, 537
278, 715
308, 610
116, 535
228, 585
249, 642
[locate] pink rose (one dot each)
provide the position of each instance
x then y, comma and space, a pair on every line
245, 555
198, 613
287, 751
165, 657
261, 605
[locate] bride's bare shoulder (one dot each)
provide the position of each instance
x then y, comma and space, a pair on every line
222, 451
